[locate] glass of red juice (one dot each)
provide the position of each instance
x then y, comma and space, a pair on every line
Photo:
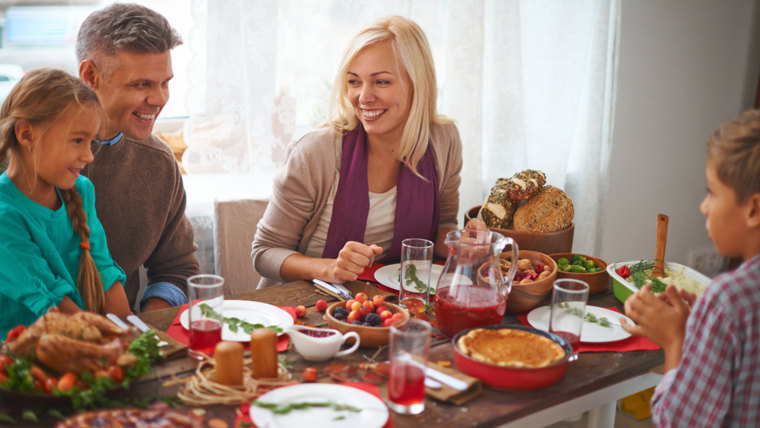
568, 311
205, 314
409, 349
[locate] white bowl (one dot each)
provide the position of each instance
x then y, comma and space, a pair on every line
623, 288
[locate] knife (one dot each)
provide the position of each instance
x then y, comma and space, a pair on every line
338, 290
453, 382
116, 320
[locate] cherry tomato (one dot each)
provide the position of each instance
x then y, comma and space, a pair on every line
624, 271
14, 333
50, 383
310, 374
5, 360
116, 374
67, 382
3, 377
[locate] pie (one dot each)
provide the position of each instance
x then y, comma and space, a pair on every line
118, 418
508, 347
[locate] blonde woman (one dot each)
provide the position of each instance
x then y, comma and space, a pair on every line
384, 168
54, 250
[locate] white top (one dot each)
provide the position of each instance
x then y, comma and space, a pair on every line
380, 219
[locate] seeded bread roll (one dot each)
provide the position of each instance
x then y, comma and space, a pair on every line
548, 211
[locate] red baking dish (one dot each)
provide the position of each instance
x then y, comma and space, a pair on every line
512, 378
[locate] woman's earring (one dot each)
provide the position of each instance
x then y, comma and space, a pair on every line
29, 148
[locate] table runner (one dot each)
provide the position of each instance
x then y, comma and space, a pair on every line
633, 343
178, 333
243, 414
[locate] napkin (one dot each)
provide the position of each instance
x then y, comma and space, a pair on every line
243, 414
633, 343
178, 333
451, 395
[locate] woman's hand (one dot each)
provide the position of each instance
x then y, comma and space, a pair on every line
352, 259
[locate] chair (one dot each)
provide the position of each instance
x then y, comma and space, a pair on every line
235, 225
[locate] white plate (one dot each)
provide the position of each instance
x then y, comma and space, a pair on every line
388, 276
249, 311
373, 412
591, 332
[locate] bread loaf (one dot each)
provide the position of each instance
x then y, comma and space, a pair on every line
550, 210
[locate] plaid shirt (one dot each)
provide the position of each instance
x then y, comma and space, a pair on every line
717, 383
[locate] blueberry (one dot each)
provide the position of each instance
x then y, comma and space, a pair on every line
373, 319
357, 322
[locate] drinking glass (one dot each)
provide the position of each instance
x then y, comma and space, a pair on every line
410, 346
414, 278
206, 297
568, 311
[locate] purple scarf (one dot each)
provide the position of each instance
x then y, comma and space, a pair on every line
417, 209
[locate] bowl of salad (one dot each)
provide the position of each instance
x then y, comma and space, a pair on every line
629, 277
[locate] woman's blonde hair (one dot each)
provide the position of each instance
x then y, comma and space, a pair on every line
410, 44
734, 149
40, 98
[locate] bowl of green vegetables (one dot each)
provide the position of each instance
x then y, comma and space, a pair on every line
589, 269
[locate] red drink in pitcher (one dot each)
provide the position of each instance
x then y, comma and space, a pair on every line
204, 335
481, 307
406, 385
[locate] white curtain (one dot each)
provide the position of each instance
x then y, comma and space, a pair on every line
530, 84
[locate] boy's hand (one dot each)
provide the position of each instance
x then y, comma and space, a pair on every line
661, 319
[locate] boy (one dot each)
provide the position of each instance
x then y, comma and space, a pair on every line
712, 343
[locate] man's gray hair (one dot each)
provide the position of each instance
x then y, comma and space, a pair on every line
125, 27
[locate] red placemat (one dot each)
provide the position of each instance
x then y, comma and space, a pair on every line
633, 343
369, 273
243, 414
179, 333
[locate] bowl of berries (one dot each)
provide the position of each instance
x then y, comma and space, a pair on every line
369, 318
533, 279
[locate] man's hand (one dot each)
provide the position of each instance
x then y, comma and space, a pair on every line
154, 304
352, 259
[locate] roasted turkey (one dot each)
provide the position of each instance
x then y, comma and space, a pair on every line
76, 343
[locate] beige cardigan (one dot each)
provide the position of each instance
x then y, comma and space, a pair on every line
302, 187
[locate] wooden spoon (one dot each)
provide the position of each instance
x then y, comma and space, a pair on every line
659, 249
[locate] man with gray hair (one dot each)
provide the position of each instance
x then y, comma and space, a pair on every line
124, 51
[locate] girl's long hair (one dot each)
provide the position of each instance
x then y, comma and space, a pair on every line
40, 98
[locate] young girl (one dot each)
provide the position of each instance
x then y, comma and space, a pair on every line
53, 250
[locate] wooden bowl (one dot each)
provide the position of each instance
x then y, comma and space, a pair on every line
547, 243
525, 297
598, 282
369, 336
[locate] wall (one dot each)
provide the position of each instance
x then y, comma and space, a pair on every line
684, 67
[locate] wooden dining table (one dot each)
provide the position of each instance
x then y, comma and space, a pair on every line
594, 382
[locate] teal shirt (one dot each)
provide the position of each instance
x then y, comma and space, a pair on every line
39, 254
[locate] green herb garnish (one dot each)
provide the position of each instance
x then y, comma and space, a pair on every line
412, 279
602, 321
281, 409
234, 323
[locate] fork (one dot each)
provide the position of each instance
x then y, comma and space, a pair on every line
137, 322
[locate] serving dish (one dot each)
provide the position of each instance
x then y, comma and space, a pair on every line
512, 378
369, 337
623, 288
598, 282
547, 243
524, 297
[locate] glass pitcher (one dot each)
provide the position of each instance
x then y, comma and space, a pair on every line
472, 290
